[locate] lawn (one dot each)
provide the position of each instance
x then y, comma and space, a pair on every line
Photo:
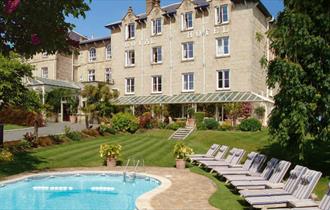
12, 127
154, 148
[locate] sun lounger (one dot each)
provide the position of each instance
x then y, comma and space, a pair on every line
311, 205
304, 189
266, 173
210, 153
251, 165
233, 158
277, 176
289, 186
220, 155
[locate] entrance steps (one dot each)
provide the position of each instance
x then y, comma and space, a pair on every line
181, 133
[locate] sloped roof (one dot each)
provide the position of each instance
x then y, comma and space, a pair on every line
95, 40
39, 81
186, 98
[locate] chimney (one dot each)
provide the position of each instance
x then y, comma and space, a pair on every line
150, 4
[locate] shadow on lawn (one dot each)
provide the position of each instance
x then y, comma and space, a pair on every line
316, 156
22, 162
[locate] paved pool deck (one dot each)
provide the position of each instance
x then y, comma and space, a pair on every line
188, 191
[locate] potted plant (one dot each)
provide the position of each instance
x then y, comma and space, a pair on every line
181, 153
110, 153
73, 103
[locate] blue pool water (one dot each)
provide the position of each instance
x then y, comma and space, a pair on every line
75, 192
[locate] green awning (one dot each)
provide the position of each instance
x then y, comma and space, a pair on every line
189, 98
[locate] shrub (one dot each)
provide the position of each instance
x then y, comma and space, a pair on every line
199, 117
181, 151
162, 125
20, 146
191, 112
201, 126
250, 124
73, 135
110, 151
211, 124
6, 156
226, 126
17, 116
59, 139
45, 141
175, 126
260, 111
30, 137
145, 121
125, 122
106, 129
91, 132
181, 123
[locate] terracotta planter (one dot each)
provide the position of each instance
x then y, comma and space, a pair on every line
190, 122
111, 162
180, 164
73, 118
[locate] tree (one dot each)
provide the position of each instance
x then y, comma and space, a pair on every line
54, 99
30, 27
12, 72
301, 71
234, 111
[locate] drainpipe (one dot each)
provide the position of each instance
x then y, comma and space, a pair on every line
142, 57
171, 59
203, 39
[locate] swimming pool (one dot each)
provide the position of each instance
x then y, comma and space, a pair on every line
87, 191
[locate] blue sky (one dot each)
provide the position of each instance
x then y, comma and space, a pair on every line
106, 11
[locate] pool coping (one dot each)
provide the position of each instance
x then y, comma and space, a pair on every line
143, 202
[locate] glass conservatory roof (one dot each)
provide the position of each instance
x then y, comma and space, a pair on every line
188, 98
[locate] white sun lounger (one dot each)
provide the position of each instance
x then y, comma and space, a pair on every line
220, 155
210, 153
289, 186
311, 205
304, 189
266, 173
233, 159
251, 165
227, 159
275, 179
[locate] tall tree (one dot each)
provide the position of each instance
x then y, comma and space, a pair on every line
301, 72
32, 26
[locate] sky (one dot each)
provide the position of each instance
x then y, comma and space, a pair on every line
103, 12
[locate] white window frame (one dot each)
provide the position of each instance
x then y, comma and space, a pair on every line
185, 21
189, 81
92, 54
129, 80
157, 59
221, 52
185, 53
108, 74
222, 71
156, 26
108, 52
43, 75
128, 59
157, 77
219, 14
130, 31
91, 74
44, 55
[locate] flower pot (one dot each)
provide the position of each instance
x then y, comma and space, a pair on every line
180, 164
111, 162
190, 122
73, 118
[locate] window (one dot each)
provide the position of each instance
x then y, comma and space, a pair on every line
130, 86
188, 82
223, 79
92, 55
44, 72
91, 75
187, 21
108, 52
157, 84
222, 14
45, 55
223, 46
156, 55
156, 26
130, 58
130, 31
108, 75
188, 51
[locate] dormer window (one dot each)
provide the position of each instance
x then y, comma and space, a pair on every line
130, 31
222, 15
156, 26
187, 21
92, 55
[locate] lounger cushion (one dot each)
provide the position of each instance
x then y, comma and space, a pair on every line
261, 193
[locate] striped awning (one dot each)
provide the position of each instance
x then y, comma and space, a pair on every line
188, 98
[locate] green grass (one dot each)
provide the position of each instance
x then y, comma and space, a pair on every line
156, 150
12, 127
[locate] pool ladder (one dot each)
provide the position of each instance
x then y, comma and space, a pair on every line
130, 176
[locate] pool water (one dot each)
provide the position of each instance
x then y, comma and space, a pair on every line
75, 192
